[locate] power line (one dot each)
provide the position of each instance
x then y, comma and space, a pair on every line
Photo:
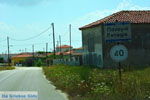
42, 43
25, 44
32, 36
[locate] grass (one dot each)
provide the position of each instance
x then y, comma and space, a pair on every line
85, 83
7, 68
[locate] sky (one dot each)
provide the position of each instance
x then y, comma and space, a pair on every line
28, 22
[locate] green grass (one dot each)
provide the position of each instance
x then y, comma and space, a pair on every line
85, 83
7, 68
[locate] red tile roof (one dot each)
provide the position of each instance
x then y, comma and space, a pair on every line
58, 53
22, 56
49, 53
123, 16
64, 46
67, 53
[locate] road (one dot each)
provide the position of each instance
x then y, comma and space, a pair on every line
29, 79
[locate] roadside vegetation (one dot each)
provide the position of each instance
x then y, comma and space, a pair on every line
7, 68
85, 83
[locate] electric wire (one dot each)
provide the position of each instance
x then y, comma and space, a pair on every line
32, 36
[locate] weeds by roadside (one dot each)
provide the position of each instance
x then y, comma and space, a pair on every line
7, 68
85, 83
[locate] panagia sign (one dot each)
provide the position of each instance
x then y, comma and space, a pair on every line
117, 31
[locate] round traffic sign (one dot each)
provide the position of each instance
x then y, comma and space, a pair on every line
119, 53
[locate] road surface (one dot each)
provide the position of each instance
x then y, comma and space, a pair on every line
29, 79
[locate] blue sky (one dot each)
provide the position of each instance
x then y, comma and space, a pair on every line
22, 19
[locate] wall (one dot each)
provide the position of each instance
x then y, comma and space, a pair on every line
72, 62
78, 50
92, 45
138, 48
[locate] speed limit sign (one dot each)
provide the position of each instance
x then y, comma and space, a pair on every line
119, 53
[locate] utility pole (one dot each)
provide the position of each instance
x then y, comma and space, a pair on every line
70, 39
47, 63
33, 54
46, 49
57, 45
33, 50
53, 39
60, 42
8, 51
25, 50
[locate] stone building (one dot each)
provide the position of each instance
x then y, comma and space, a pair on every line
97, 50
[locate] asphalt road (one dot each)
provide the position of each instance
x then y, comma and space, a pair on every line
29, 79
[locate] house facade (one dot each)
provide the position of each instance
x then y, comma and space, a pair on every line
73, 57
5, 57
22, 59
63, 48
97, 50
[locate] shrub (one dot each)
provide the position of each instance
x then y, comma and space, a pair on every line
38, 63
85, 83
7, 68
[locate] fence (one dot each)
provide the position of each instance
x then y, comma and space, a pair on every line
73, 61
92, 59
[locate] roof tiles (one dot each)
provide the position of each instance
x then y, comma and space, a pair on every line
135, 17
64, 46
22, 56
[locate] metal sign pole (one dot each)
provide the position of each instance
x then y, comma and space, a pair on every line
118, 32
120, 74
119, 67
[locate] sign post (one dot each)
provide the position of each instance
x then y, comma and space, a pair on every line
119, 53
118, 32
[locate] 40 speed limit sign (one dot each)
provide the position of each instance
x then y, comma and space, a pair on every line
119, 53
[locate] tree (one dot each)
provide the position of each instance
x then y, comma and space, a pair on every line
1, 60
38, 63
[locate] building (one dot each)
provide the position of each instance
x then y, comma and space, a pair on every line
78, 50
97, 50
5, 57
77, 55
73, 57
22, 59
63, 48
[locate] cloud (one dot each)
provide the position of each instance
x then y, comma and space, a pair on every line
22, 2
96, 15
99, 14
129, 5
